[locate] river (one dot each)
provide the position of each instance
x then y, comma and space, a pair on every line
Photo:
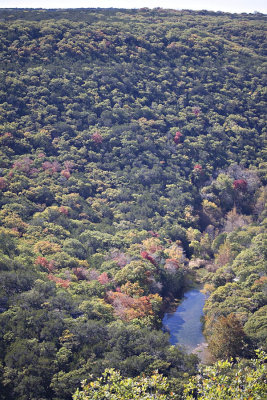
184, 324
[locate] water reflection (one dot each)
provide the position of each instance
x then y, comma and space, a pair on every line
184, 324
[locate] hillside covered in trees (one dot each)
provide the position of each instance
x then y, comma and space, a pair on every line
132, 162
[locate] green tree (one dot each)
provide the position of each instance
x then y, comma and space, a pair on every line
115, 387
226, 380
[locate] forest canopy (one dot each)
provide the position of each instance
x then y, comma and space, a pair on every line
132, 157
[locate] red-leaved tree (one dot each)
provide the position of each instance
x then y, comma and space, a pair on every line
240, 184
97, 138
177, 137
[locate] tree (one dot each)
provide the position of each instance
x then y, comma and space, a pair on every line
177, 137
29, 369
240, 184
97, 138
226, 380
111, 385
228, 338
3, 183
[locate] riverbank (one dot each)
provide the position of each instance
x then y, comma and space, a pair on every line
203, 353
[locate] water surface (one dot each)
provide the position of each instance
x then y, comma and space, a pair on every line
184, 324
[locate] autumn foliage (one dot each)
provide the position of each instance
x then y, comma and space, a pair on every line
103, 278
65, 173
97, 138
65, 283
128, 308
240, 184
63, 210
50, 265
81, 273
198, 168
120, 132
177, 137
148, 257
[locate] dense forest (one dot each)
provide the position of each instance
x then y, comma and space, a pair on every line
133, 163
